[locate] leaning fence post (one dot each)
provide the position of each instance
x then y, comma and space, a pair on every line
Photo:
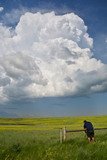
64, 133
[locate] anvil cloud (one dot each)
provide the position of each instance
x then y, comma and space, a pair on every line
48, 55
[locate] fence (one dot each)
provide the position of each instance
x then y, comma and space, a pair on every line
63, 132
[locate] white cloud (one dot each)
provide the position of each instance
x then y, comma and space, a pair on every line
1, 9
48, 55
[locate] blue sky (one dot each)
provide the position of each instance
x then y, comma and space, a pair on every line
94, 15
92, 12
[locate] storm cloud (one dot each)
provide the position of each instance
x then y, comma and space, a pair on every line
48, 55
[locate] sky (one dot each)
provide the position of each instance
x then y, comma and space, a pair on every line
53, 58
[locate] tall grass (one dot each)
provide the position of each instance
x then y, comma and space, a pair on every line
43, 144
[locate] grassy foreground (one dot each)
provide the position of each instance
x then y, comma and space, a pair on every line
38, 139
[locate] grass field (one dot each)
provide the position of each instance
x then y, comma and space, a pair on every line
38, 139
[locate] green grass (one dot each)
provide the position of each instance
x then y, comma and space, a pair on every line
38, 139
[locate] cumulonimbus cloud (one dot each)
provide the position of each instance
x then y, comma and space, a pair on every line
48, 55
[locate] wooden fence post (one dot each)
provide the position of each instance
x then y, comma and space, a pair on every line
64, 133
61, 135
